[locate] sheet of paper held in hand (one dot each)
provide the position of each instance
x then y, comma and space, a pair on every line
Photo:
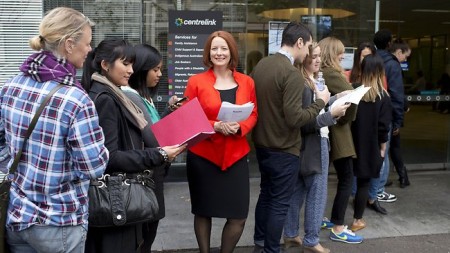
235, 113
353, 97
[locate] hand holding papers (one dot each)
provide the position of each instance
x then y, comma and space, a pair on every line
235, 113
188, 124
353, 97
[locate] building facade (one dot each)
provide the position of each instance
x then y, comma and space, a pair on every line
256, 25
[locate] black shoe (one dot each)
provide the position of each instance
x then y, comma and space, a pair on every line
388, 183
404, 182
403, 178
376, 207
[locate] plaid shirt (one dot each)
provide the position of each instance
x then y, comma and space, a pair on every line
65, 150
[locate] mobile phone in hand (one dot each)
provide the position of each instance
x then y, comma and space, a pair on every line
182, 100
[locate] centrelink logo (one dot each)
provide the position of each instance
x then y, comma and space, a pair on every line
180, 22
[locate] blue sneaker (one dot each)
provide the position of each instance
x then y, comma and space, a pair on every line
326, 223
346, 236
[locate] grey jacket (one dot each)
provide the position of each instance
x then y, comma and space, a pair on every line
310, 151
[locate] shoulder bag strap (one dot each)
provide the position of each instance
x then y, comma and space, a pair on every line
13, 167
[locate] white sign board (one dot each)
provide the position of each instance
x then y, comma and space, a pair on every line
275, 34
347, 62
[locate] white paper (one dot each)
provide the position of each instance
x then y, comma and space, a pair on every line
353, 97
235, 113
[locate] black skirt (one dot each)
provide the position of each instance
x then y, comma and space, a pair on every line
216, 193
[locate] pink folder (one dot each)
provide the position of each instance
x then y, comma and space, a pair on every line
188, 124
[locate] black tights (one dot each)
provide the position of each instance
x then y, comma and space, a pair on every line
361, 197
231, 233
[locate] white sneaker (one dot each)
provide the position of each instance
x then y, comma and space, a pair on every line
386, 197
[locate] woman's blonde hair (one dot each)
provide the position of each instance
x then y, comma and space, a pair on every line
58, 25
331, 48
307, 61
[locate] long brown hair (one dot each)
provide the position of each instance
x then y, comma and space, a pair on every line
372, 75
355, 75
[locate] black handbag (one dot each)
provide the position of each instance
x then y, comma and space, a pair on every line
122, 199
6, 183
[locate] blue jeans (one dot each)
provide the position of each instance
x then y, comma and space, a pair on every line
314, 187
279, 173
377, 184
48, 239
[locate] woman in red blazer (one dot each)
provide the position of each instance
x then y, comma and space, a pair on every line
217, 168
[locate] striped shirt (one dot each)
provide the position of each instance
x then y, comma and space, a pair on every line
65, 150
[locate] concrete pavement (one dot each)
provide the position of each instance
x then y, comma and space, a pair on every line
419, 221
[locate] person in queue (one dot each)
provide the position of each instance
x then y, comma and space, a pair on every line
402, 51
106, 69
370, 133
342, 148
48, 203
354, 77
311, 186
143, 85
277, 134
393, 71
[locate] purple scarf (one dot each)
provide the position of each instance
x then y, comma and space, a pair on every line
44, 66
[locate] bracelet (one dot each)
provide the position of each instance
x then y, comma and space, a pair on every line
164, 154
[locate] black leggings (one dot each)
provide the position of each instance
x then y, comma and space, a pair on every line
361, 197
396, 154
344, 170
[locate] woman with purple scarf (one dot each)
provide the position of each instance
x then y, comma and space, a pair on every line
48, 205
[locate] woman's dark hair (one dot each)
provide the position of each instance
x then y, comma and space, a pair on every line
147, 58
355, 74
108, 50
399, 44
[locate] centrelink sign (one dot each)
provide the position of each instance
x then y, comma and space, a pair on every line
194, 22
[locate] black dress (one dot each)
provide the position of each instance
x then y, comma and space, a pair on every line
217, 193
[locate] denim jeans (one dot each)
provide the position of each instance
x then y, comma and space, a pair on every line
314, 187
279, 173
48, 239
377, 184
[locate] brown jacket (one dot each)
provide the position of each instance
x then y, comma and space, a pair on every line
279, 89
340, 134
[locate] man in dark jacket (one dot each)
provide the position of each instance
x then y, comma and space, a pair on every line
393, 70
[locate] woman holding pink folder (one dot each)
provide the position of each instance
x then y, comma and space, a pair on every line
217, 168
142, 86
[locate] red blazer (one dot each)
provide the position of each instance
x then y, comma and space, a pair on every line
222, 150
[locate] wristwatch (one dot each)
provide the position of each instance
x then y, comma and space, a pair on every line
164, 154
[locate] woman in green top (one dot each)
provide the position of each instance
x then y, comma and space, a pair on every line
145, 80
143, 85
